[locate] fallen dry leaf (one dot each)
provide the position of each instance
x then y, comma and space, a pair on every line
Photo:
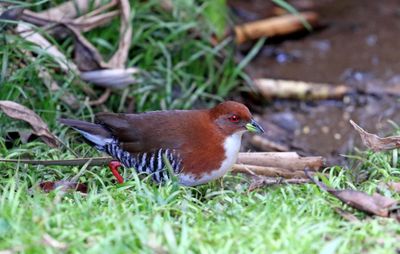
86, 56
17, 111
375, 204
26, 32
376, 143
64, 186
69, 9
121, 55
88, 23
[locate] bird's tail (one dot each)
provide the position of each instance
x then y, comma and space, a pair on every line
96, 134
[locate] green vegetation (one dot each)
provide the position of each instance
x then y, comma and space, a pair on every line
138, 216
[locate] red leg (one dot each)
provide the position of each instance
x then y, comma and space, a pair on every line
114, 165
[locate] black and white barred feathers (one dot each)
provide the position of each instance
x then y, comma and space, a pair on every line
153, 164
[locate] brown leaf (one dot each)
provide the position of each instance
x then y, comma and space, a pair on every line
375, 204
88, 23
86, 56
65, 186
69, 9
375, 142
25, 31
119, 58
17, 111
85, 23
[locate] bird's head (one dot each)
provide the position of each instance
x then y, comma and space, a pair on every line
232, 117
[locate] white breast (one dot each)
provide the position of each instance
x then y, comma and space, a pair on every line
231, 146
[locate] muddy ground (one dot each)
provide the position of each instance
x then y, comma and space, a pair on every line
357, 45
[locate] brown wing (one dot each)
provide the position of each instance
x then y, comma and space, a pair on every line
150, 131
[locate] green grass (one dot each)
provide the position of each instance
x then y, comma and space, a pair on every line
182, 70
220, 217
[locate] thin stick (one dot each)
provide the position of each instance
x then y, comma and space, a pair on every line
102, 99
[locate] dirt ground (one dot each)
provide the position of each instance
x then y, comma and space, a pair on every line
357, 45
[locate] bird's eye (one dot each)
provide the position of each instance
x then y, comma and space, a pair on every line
234, 118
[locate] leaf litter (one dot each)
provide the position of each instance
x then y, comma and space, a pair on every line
39, 127
375, 204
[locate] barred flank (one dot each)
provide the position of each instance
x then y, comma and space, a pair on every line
148, 163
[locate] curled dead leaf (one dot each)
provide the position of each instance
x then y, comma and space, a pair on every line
69, 9
86, 56
375, 204
121, 55
376, 143
17, 111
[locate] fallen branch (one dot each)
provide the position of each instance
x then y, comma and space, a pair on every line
286, 165
102, 99
282, 25
288, 89
288, 160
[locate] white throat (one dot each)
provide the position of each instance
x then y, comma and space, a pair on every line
231, 147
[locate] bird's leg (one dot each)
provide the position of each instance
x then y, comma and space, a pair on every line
114, 165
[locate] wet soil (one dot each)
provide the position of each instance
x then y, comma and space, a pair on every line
358, 46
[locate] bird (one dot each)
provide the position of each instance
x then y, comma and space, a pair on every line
195, 146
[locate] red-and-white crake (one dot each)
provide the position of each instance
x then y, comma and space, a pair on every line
200, 145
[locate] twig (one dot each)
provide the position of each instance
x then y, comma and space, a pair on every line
262, 181
271, 159
95, 161
275, 26
289, 89
102, 99
83, 169
267, 171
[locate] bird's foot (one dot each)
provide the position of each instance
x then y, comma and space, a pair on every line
114, 165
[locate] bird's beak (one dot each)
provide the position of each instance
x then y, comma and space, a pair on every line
253, 126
